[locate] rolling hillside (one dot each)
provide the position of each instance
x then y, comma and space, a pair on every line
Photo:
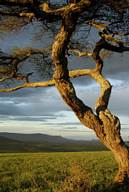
13, 142
36, 138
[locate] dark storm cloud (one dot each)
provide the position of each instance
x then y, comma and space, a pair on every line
116, 67
27, 118
8, 109
41, 101
119, 102
23, 93
49, 103
117, 64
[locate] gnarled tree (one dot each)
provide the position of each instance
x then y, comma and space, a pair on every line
110, 18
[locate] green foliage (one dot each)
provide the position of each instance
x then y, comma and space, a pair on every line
55, 172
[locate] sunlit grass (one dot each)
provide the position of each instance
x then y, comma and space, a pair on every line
45, 172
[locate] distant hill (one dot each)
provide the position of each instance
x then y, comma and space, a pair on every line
14, 142
36, 138
5, 140
10, 145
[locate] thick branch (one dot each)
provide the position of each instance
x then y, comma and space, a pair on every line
29, 85
61, 75
5, 79
119, 49
111, 38
103, 100
55, 11
72, 74
73, 7
80, 53
105, 91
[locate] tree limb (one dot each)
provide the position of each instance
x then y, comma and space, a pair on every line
119, 49
72, 74
29, 85
10, 63
73, 7
80, 53
103, 100
61, 75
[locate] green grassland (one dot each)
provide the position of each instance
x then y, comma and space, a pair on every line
46, 172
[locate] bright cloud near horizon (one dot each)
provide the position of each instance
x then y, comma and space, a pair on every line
42, 110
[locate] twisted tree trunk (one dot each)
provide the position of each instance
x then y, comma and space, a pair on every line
113, 141
105, 125
122, 157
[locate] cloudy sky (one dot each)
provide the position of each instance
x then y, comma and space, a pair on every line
42, 110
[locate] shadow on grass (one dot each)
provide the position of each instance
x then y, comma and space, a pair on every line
111, 188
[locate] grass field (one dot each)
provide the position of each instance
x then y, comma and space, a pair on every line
47, 172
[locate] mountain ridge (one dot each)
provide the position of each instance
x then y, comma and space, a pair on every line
15, 142
33, 137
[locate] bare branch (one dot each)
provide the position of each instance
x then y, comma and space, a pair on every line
103, 100
80, 53
119, 49
104, 34
111, 38
72, 74
29, 85
45, 7
105, 92
71, 8
99, 26
5, 79
10, 63
30, 15
61, 75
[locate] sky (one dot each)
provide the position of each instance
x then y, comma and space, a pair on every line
42, 110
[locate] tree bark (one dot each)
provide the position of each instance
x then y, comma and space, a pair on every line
122, 157
106, 126
113, 141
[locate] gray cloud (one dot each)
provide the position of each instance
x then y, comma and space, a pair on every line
49, 103
44, 104
31, 118
75, 131
37, 104
64, 124
71, 128
119, 101
9, 109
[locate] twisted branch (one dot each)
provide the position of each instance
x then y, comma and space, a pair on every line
72, 74
103, 100
80, 53
10, 69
